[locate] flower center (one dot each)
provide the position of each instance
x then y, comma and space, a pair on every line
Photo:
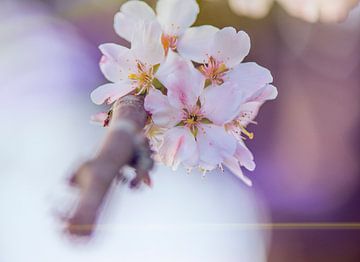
142, 78
169, 42
192, 118
214, 71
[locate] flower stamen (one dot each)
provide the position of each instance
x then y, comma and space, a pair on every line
143, 78
192, 119
250, 135
169, 42
214, 71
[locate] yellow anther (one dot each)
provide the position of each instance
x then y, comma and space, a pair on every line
222, 69
190, 121
133, 77
250, 135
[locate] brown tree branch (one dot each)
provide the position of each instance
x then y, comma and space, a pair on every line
95, 176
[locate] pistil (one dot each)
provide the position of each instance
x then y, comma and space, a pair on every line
192, 119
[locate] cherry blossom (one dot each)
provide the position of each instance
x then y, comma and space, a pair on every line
130, 70
194, 116
248, 111
254, 82
218, 51
199, 94
174, 16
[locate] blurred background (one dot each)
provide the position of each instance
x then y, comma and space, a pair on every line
306, 146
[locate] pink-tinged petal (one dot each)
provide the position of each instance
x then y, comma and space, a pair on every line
215, 145
230, 47
221, 104
250, 78
179, 147
99, 118
172, 64
248, 112
130, 14
162, 113
250, 109
176, 15
233, 165
116, 62
245, 157
109, 93
268, 92
195, 43
146, 43
183, 82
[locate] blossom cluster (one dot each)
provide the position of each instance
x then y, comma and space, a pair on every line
199, 94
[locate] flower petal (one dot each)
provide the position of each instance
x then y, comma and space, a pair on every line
249, 77
248, 112
115, 62
162, 113
130, 14
183, 82
195, 43
250, 109
233, 165
179, 147
109, 93
99, 118
230, 47
221, 104
176, 15
268, 92
146, 43
215, 145
172, 64
245, 157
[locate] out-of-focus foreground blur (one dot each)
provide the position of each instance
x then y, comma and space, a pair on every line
306, 145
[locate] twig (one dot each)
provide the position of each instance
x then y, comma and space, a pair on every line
95, 176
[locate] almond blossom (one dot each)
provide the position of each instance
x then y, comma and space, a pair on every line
174, 16
219, 51
194, 116
254, 82
199, 94
130, 70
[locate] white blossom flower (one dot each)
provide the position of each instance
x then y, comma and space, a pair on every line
199, 94
254, 82
194, 116
218, 51
130, 70
174, 16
